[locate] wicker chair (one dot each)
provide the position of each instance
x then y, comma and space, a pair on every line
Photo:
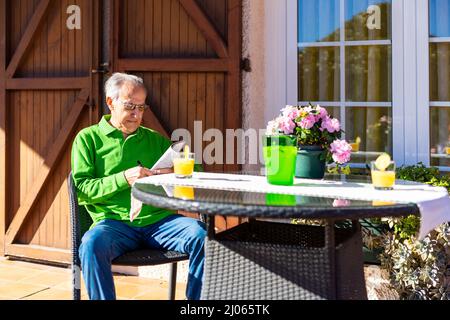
81, 221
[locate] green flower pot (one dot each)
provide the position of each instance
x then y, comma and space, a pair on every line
310, 162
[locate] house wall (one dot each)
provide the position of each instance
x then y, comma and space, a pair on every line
253, 46
264, 89
253, 82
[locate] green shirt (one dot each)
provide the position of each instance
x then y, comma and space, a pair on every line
100, 155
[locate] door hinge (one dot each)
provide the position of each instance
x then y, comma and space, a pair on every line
245, 65
103, 68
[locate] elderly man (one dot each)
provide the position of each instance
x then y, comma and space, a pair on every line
104, 166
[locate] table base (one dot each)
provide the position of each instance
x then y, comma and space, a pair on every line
273, 261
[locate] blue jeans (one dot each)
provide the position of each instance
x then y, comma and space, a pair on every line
110, 239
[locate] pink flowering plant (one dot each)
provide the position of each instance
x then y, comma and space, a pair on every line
313, 126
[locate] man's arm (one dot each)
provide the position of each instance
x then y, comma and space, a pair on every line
91, 189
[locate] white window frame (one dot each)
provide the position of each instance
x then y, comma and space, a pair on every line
423, 81
427, 104
410, 73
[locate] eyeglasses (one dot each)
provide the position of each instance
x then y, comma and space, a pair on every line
131, 106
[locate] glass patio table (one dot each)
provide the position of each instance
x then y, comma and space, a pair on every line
266, 258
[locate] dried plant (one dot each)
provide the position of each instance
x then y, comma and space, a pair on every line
419, 269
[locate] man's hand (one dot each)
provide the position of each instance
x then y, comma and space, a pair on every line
136, 173
140, 172
161, 171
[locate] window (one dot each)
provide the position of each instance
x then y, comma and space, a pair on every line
345, 64
381, 66
439, 70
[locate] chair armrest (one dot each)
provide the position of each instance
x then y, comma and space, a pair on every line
74, 221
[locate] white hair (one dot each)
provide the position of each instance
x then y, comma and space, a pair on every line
116, 81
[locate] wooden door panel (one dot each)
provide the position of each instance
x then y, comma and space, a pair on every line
49, 93
215, 10
25, 27
188, 53
179, 99
36, 175
47, 224
39, 43
186, 83
21, 13
159, 28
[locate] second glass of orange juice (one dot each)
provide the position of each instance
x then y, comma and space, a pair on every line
383, 173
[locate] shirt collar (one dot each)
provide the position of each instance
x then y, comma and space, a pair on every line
108, 129
105, 127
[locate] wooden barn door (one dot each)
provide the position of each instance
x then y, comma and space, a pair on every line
47, 94
187, 51
189, 54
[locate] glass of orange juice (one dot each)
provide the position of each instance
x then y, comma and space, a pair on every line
383, 173
183, 164
355, 145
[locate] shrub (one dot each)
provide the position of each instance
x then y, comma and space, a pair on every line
418, 269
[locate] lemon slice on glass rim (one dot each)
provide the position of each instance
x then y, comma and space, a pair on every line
383, 161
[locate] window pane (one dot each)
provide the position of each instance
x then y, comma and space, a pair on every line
440, 71
367, 20
440, 136
439, 18
368, 73
318, 20
335, 112
319, 74
373, 126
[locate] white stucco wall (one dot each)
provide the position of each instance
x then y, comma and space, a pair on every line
253, 82
253, 48
264, 89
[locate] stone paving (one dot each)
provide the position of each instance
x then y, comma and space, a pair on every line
30, 281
